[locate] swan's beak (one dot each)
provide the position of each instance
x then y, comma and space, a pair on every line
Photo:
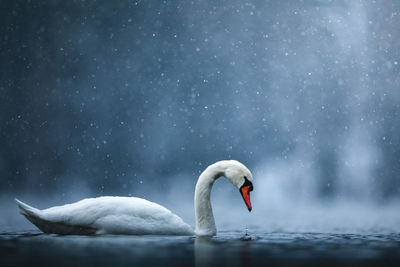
245, 191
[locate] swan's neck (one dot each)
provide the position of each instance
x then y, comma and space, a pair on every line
205, 224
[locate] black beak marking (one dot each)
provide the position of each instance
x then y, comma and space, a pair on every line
247, 183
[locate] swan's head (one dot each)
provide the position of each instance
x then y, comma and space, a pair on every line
241, 177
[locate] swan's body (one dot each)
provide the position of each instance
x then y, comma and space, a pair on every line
131, 215
107, 215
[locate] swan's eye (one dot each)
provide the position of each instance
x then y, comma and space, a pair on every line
245, 177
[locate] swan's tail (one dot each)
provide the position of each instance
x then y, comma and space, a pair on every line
35, 216
31, 213
27, 210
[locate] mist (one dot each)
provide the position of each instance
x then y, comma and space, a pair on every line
137, 98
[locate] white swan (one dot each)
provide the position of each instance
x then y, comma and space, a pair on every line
131, 215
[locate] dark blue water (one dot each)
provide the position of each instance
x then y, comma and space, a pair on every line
229, 248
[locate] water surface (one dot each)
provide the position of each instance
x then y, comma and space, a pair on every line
231, 248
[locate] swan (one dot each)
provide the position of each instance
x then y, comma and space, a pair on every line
137, 216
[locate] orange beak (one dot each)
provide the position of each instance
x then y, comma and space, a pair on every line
245, 191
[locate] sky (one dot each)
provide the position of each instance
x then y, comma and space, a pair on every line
137, 98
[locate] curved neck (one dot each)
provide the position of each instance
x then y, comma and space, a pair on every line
205, 224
